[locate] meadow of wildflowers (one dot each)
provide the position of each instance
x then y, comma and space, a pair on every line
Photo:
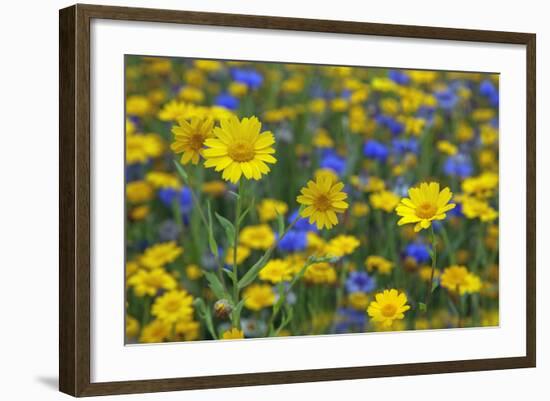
268, 199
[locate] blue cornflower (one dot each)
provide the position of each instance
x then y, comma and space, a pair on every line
457, 211
490, 91
446, 99
294, 241
427, 113
390, 123
487, 88
494, 99
401, 146
346, 94
360, 282
226, 100
331, 160
349, 320
250, 77
399, 77
136, 171
168, 231
458, 166
375, 150
418, 251
167, 195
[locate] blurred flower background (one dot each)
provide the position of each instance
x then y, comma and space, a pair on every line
269, 199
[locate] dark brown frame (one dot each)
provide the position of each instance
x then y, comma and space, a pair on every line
74, 199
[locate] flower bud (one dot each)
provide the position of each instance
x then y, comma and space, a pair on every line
222, 308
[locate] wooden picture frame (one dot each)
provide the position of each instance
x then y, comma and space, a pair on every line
74, 203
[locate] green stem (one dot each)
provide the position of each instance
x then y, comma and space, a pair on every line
235, 275
434, 262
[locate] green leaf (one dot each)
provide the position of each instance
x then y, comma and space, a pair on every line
182, 172
229, 273
228, 227
435, 284
198, 303
422, 307
236, 195
211, 239
205, 315
215, 284
253, 272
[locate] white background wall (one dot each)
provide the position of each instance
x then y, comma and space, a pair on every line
29, 185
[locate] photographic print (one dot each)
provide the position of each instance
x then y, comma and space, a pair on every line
275, 199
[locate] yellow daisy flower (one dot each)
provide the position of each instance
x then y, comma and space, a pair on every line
342, 245
188, 330
233, 334
155, 332
160, 179
160, 254
458, 278
473, 208
425, 273
243, 253
239, 148
323, 198
426, 203
360, 209
384, 200
481, 186
378, 263
269, 208
189, 138
322, 139
214, 188
139, 191
173, 306
149, 282
132, 327
275, 271
447, 148
258, 296
174, 110
257, 237
320, 273
388, 306
193, 272
453, 277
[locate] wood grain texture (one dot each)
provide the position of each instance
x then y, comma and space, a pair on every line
74, 198
67, 131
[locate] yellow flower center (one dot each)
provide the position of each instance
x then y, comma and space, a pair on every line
241, 151
388, 310
172, 305
153, 281
322, 203
426, 210
456, 278
196, 141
